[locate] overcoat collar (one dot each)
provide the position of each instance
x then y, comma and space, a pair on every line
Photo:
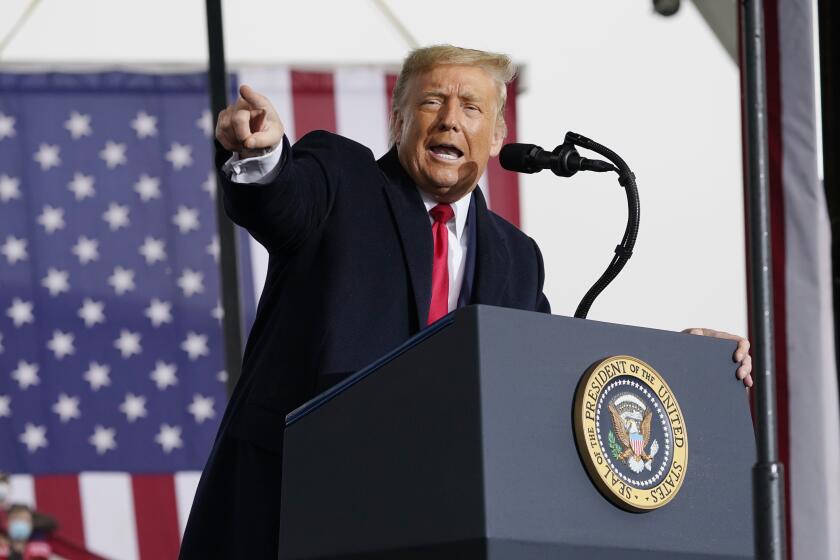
415, 233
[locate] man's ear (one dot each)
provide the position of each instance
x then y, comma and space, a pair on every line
398, 121
497, 140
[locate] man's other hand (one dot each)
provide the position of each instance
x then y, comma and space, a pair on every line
250, 126
741, 355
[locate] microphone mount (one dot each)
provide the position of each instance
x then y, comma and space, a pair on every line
565, 161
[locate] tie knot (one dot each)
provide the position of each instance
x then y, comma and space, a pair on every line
442, 213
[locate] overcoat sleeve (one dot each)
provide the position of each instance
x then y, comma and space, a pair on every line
282, 214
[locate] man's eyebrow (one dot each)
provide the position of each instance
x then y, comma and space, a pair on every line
466, 95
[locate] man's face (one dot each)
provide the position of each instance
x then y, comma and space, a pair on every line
448, 130
19, 525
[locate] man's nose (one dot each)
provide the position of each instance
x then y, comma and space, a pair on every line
449, 116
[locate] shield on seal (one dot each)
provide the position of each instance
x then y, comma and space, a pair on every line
637, 442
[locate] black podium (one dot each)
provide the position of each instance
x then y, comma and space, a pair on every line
460, 444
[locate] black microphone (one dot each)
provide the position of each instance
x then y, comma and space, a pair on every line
564, 160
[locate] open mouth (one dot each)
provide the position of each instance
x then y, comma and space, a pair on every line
446, 152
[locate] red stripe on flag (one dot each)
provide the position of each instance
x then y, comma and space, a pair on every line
313, 99
777, 236
58, 496
504, 185
69, 550
156, 513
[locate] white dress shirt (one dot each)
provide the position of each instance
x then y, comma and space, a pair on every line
457, 252
263, 169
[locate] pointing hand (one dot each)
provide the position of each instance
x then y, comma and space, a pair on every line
250, 126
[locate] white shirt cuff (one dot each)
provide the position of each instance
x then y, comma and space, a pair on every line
259, 170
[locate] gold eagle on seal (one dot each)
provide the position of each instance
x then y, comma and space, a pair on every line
632, 434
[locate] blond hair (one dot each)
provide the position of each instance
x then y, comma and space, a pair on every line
421, 60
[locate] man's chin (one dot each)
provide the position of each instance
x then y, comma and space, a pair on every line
448, 193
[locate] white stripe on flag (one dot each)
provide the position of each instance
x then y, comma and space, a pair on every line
361, 107
484, 185
108, 513
22, 489
185, 485
274, 82
259, 267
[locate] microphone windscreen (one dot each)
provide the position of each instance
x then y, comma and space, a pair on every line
518, 157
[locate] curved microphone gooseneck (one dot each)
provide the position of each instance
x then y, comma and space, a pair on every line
565, 161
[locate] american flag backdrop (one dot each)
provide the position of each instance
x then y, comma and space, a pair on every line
111, 365
111, 385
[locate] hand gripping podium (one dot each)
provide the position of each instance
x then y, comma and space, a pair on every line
461, 444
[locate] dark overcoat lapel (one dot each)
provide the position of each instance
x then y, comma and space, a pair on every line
492, 257
414, 229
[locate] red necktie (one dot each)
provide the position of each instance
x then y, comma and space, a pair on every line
439, 305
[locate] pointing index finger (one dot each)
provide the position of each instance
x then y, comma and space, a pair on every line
255, 99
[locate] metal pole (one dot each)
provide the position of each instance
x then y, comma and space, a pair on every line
228, 261
768, 473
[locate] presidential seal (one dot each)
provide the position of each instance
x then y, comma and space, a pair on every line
630, 433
